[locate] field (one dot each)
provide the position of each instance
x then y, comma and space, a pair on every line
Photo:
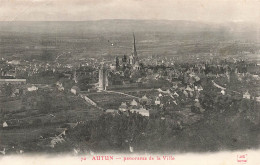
73, 41
25, 127
109, 100
14, 105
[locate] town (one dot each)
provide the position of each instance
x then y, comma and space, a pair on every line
129, 102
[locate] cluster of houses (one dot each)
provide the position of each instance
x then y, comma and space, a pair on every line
187, 85
162, 99
133, 107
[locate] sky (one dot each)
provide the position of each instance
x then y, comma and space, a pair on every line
83, 10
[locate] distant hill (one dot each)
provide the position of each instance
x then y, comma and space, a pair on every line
103, 26
75, 40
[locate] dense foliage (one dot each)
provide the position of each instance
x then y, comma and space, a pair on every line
216, 131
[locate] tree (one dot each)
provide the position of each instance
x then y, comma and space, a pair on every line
124, 59
45, 104
8, 89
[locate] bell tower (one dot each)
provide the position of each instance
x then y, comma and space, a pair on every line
134, 57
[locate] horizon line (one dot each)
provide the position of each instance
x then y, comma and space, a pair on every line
116, 19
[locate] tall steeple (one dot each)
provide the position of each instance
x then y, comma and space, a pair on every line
134, 47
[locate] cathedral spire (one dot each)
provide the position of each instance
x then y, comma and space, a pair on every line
134, 47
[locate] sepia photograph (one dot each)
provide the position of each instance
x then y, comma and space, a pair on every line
129, 82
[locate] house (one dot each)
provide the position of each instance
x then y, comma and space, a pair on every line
32, 88
59, 86
55, 140
186, 93
75, 90
196, 78
176, 94
189, 89
175, 86
200, 88
246, 95
14, 62
134, 103
112, 67
141, 111
197, 107
223, 92
131, 149
123, 106
175, 102
16, 91
165, 92
145, 100
5, 125
256, 77
157, 101
58, 83
257, 99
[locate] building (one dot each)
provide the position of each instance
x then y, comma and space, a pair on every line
157, 101
223, 92
123, 107
14, 62
5, 124
60, 86
246, 95
185, 93
141, 111
32, 88
145, 100
75, 90
12, 81
132, 60
134, 103
257, 99
103, 80
176, 94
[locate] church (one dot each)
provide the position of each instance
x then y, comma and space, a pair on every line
132, 61
127, 70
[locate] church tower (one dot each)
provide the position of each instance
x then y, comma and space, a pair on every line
103, 79
134, 47
134, 58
